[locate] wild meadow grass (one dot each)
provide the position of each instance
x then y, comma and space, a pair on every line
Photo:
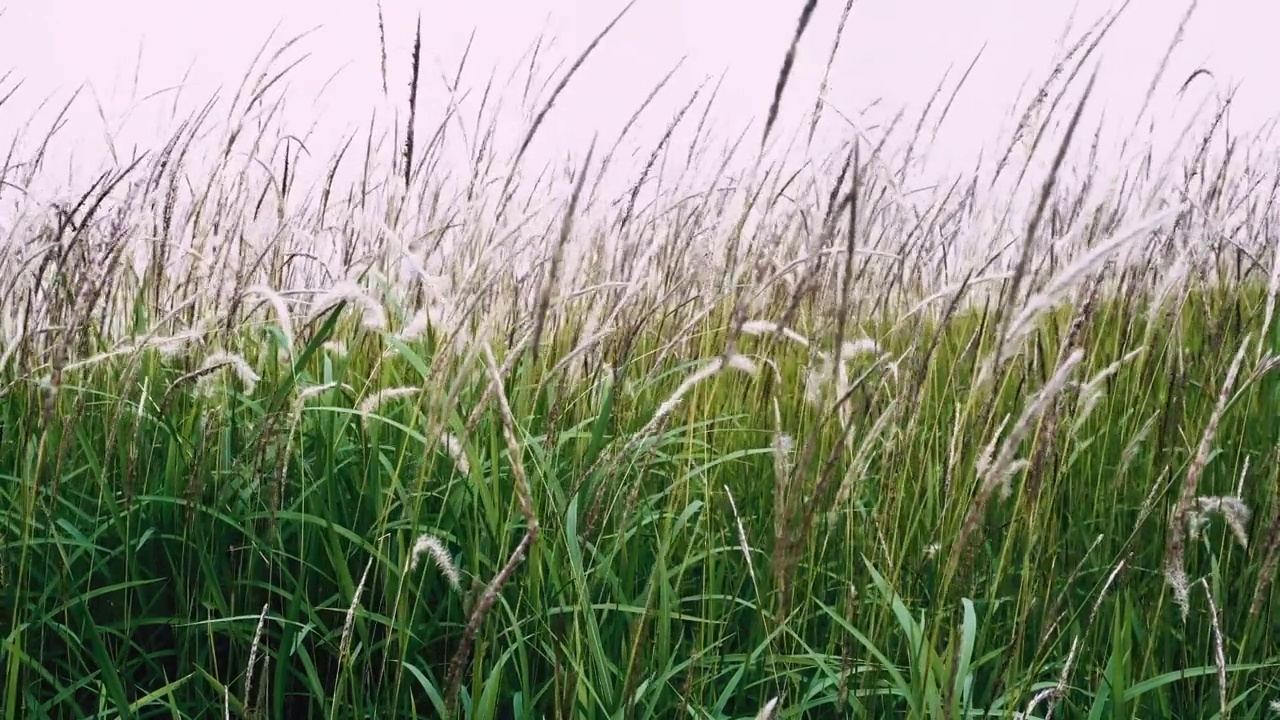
780, 444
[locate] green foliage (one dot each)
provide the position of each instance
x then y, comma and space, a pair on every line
136, 571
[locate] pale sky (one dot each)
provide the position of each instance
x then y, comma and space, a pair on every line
894, 51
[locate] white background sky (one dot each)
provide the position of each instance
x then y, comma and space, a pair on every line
894, 50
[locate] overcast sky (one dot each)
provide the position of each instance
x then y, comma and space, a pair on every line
894, 51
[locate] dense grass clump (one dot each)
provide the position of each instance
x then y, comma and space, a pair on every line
774, 445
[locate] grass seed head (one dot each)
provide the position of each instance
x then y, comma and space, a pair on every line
370, 405
429, 544
453, 447
767, 712
219, 360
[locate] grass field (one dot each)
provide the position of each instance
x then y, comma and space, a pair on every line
777, 444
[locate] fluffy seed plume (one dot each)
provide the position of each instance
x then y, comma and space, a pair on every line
429, 544
767, 712
374, 316
1231, 508
744, 364
998, 473
1092, 391
761, 327
219, 360
453, 448
416, 328
370, 405
831, 373
281, 310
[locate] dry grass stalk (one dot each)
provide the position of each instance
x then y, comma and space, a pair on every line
490, 595
543, 302
998, 473
348, 623
253, 653
743, 545
1051, 695
784, 74
1219, 653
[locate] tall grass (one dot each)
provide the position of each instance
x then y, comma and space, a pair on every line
450, 442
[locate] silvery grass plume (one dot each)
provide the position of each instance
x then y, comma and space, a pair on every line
590, 340
308, 393
768, 711
428, 544
416, 327
784, 447
412, 330
1060, 285
370, 405
174, 345
1273, 287
440, 315
374, 317
783, 464
1052, 694
830, 376
1092, 390
95, 359
168, 347
312, 391
1175, 571
1231, 508
709, 370
948, 293
456, 452
761, 327
998, 472
857, 468
281, 310
11, 350
1135, 444
524, 494
1183, 264
223, 360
